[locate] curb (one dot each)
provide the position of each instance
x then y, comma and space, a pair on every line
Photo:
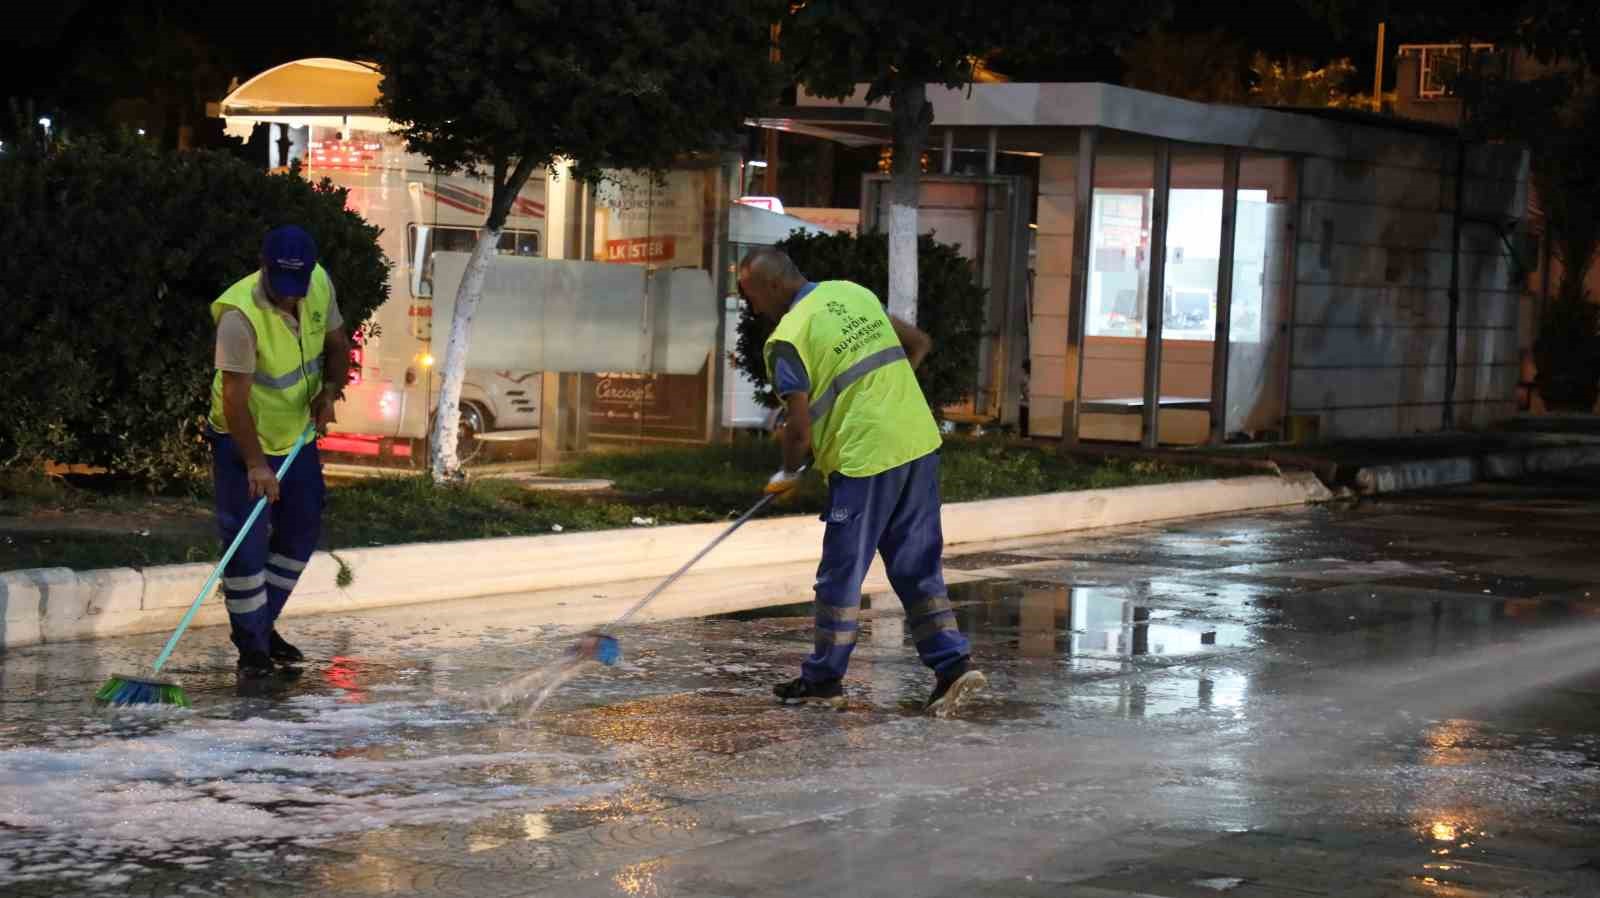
58, 604
1459, 470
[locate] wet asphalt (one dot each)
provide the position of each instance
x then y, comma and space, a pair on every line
1385, 698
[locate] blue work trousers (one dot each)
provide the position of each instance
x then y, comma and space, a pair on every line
258, 580
896, 513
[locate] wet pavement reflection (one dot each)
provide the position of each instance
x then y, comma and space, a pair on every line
1400, 698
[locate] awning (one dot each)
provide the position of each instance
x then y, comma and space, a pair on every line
321, 91
758, 227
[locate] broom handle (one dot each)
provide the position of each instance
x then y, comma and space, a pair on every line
211, 582
765, 500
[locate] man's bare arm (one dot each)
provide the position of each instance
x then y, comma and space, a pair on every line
917, 343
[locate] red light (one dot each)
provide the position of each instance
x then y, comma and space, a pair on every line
343, 154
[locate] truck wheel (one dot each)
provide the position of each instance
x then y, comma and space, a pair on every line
474, 421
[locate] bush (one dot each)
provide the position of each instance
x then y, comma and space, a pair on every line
950, 307
114, 253
1567, 354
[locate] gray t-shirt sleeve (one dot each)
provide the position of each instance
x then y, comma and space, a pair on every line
236, 343
335, 318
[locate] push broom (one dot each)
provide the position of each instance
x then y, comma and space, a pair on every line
124, 689
601, 646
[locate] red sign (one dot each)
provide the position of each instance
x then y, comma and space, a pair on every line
642, 249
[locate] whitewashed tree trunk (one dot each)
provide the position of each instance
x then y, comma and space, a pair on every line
445, 464
911, 115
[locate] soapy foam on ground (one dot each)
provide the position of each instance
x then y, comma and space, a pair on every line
234, 786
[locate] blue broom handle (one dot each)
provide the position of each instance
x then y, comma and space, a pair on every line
211, 582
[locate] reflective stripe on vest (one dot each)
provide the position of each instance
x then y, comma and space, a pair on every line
312, 366
867, 410
822, 403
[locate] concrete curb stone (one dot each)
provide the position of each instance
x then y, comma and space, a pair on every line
58, 604
1456, 471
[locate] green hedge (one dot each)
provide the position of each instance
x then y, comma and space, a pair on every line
113, 253
950, 307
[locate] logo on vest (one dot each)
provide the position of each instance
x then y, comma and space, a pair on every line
837, 308
316, 318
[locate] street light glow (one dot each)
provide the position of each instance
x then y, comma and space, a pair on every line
44, 122
756, 163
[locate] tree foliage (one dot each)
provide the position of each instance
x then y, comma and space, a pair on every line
115, 253
1297, 82
508, 87
833, 45
504, 88
952, 306
1208, 67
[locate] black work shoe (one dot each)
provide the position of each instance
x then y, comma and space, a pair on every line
281, 651
255, 665
802, 691
953, 686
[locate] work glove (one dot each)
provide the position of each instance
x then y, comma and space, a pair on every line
784, 482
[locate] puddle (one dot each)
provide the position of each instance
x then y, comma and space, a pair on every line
1219, 883
988, 560
1048, 620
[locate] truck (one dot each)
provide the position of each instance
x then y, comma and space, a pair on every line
394, 376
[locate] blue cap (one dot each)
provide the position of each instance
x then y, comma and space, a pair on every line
288, 256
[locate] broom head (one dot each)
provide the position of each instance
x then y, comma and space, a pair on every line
123, 689
598, 647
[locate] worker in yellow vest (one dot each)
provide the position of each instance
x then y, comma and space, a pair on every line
282, 361
845, 372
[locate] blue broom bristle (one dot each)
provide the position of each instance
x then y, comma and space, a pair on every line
121, 691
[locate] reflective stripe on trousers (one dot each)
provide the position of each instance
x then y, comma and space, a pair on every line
261, 575
895, 513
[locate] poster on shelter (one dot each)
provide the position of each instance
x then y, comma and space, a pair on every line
647, 219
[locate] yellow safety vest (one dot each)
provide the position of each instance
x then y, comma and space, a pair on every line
868, 414
288, 371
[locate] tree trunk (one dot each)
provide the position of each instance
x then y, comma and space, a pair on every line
912, 113
445, 464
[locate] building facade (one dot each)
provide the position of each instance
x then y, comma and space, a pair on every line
1207, 273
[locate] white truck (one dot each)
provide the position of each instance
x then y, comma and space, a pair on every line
394, 375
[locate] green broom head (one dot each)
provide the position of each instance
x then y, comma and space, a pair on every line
122, 690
